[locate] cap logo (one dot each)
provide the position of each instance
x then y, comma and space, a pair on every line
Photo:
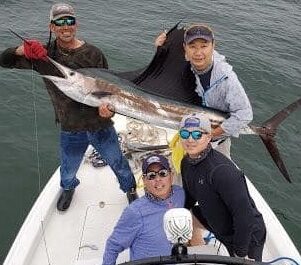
192, 122
60, 10
198, 32
153, 159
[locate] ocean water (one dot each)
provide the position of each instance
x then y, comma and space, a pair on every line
261, 39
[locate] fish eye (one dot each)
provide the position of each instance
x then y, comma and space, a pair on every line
72, 73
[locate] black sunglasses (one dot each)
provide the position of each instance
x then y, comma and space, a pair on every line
69, 21
151, 175
196, 135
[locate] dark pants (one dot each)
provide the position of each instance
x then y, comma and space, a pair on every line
257, 241
255, 247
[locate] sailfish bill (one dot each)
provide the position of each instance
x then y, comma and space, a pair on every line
95, 86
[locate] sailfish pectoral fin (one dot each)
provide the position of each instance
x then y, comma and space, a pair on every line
101, 94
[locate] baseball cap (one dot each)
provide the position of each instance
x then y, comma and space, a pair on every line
61, 10
198, 32
196, 120
152, 159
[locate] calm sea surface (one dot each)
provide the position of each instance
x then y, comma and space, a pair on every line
261, 39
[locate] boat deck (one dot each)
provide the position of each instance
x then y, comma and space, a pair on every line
78, 236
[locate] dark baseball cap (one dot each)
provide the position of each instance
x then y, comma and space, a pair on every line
152, 159
198, 32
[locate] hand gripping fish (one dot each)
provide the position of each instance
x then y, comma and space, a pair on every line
94, 87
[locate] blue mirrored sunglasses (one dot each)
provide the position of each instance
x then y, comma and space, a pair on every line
69, 21
196, 135
152, 174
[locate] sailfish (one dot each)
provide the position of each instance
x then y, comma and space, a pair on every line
150, 95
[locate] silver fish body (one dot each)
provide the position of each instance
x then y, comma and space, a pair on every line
99, 86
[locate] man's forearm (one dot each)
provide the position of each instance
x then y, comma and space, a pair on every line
13, 58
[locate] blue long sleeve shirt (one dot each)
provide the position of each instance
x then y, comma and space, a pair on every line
140, 228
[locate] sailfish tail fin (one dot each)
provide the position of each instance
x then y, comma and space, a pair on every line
269, 128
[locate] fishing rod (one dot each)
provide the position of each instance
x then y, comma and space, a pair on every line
19, 36
24, 40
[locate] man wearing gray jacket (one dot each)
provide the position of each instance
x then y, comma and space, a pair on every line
215, 83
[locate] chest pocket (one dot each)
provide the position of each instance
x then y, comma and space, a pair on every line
202, 188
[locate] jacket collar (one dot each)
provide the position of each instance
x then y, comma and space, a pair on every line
201, 156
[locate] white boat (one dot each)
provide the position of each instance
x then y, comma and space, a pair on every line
78, 236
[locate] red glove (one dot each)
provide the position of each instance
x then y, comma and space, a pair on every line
33, 49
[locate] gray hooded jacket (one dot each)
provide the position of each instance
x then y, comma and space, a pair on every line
227, 94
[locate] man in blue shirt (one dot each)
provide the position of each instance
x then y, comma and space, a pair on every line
140, 227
